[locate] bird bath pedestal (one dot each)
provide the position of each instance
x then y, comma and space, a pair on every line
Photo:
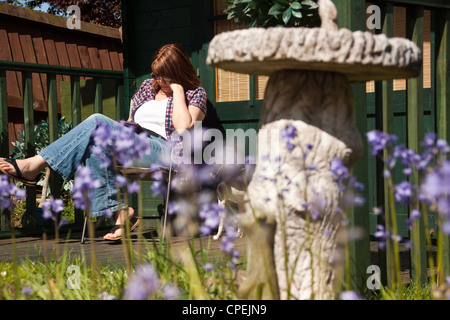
292, 253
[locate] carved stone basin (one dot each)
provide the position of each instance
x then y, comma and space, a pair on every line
292, 254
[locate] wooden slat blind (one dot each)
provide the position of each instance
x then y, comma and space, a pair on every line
232, 86
400, 31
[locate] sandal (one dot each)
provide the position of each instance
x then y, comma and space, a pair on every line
133, 220
113, 231
18, 176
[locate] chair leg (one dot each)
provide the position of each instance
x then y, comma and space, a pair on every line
84, 230
166, 209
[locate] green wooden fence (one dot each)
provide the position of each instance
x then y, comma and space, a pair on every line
51, 71
408, 114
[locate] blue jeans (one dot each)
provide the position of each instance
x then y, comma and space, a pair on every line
65, 154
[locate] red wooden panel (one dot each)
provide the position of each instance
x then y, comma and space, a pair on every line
16, 51
84, 56
72, 52
30, 57
5, 54
95, 58
52, 57
41, 56
121, 60
104, 56
114, 60
63, 57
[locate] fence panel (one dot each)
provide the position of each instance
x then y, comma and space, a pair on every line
443, 108
27, 70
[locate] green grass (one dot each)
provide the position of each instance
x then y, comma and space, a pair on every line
68, 277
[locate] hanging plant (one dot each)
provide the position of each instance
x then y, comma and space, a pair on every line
273, 13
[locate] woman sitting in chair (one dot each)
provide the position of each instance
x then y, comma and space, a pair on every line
171, 101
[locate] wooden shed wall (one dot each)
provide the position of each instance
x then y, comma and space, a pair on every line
36, 37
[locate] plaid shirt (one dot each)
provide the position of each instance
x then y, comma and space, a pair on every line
146, 92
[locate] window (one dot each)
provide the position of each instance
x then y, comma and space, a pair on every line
400, 31
232, 86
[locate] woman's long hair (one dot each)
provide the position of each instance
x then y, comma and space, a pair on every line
171, 61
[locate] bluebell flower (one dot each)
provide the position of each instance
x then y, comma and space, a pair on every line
121, 143
133, 187
288, 134
27, 291
415, 214
208, 267
380, 140
403, 192
51, 208
8, 190
142, 284
350, 295
429, 140
381, 235
158, 188
339, 170
170, 292
210, 215
82, 183
121, 180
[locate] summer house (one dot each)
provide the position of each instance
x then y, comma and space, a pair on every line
95, 73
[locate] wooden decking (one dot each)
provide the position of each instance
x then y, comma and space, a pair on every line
111, 253
107, 252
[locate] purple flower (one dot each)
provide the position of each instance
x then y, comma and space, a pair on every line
208, 267
442, 146
158, 188
429, 140
82, 183
288, 134
436, 190
7, 191
382, 235
170, 292
403, 192
415, 214
380, 140
227, 241
121, 180
51, 208
142, 284
434, 145
122, 143
133, 187
27, 291
339, 170
350, 295
315, 208
210, 215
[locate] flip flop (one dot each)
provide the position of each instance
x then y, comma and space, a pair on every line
113, 237
18, 176
135, 222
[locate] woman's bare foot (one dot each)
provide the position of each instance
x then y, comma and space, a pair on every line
30, 167
116, 231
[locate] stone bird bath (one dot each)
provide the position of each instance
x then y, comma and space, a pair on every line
290, 255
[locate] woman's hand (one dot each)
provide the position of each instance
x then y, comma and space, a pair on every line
184, 116
177, 88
